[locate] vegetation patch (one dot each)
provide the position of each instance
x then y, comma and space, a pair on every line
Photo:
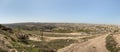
60, 43
42, 46
111, 44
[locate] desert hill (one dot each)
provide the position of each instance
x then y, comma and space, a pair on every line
59, 37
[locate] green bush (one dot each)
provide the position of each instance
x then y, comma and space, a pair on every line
111, 44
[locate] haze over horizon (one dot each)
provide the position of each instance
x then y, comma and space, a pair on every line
77, 11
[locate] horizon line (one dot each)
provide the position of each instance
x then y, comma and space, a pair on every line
62, 22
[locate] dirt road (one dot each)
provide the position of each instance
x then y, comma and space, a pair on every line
93, 45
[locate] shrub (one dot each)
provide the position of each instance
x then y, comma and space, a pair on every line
111, 44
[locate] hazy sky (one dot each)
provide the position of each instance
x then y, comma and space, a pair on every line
75, 11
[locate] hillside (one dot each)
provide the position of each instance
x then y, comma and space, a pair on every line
5, 39
66, 27
58, 37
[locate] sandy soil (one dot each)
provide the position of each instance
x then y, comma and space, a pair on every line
37, 38
63, 33
93, 45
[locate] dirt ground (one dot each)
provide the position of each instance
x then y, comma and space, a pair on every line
93, 45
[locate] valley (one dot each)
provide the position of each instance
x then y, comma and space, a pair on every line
59, 37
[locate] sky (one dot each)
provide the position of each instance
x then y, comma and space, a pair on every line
70, 11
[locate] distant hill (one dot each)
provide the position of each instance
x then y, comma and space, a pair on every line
66, 27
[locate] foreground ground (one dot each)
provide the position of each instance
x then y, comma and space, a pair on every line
52, 37
93, 45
